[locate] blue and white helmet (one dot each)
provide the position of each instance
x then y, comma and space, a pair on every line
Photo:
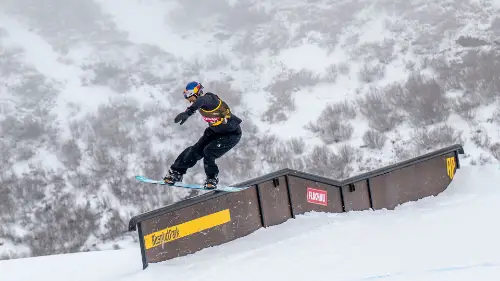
193, 88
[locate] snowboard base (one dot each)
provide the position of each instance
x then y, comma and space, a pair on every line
192, 186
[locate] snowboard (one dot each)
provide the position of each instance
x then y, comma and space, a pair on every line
192, 186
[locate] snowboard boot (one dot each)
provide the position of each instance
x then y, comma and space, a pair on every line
211, 183
172, 177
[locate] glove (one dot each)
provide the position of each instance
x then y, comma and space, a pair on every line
182, 117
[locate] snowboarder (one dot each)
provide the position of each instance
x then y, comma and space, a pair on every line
222, 134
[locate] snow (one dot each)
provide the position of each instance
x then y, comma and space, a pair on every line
316, 60
185, 40
129, 16
38, 52
452, 236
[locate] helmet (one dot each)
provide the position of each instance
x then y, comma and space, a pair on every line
193, 88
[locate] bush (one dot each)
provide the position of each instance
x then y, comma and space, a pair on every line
7, 203
343, 68
331, 73
331, 130
110, 75
404, 150
481, 139
296, 145
381, 52
436, 138
324, 162
495, 150
282, 91
479, 71
225, 90
375, 106
374, 140
70, 154
217, 60
332, 124
369, 74
347, 154
465, 106
70, 227
496, 116
422, 99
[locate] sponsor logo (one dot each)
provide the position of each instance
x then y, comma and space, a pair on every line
450, 166
166, 236
317, 196
210, 119
175, 232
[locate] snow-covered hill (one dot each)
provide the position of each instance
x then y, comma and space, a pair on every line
89, 89
448, 237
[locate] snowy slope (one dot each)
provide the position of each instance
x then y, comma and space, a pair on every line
453, 236
89, 89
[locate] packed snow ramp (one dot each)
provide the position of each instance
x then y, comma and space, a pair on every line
217, 217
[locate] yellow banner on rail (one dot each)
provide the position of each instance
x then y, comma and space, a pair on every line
175, 232
450, 166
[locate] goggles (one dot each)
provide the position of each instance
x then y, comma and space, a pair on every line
192, 92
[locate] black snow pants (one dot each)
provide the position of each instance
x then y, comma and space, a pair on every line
209, 147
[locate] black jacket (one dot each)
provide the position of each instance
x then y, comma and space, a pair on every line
210, 101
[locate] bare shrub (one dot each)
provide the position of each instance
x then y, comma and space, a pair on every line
332, 124
111, 75
115, 123
410, 65
217, 60
70, 227
343, 68
496, 116
297, 145
376, 107
274, 152
465, 106
291, 81
70, 154
448, 73
331, 73
382, 52
30, 187
479, 70
481, 138
193, 67
225, 90
422, 99
282, 91
374, 140
344, 110
330, 131
114, 224
484, 159
404, 150
495, 150
29, 128
347, 154
369, 74
385, 51
324, 162
469, 41
279, 105
7, 203
436, 138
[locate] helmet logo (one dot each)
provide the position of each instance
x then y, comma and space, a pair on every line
192, 88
